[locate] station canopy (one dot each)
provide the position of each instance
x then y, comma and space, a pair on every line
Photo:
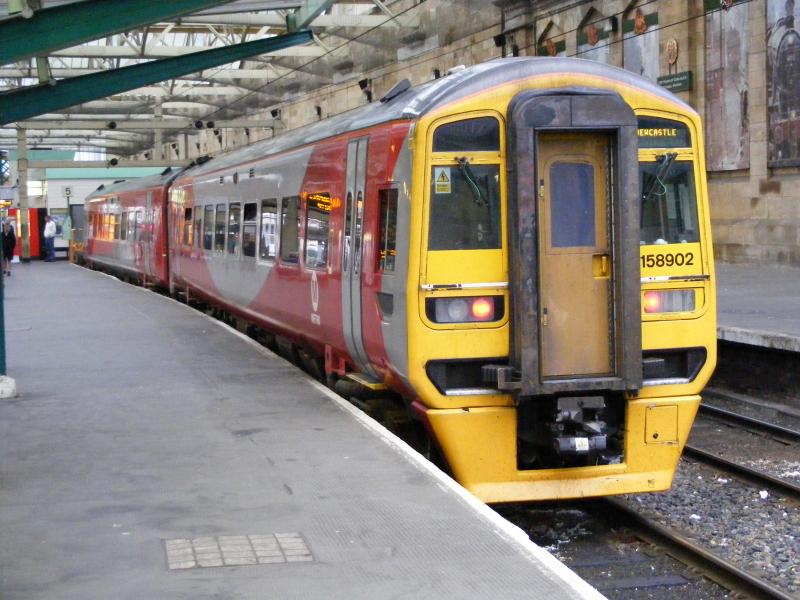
349, 38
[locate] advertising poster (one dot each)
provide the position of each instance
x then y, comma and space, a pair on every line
727, 94
783, 83
640, 45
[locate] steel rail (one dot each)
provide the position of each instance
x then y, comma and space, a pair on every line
689, 552
754, 476
750, 421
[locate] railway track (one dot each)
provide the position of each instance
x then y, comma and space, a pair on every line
749, 474
696, 556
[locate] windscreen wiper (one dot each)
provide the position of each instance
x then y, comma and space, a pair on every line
469, 177
665, 163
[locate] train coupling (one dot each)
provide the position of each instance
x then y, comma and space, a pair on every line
577, 418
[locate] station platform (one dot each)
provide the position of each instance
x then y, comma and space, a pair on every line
156, 453
759, 305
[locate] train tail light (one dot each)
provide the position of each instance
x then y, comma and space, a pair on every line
668, 301
465, 309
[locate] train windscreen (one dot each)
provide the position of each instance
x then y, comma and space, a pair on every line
669, 202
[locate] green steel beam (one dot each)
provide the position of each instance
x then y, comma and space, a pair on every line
24, 103
300, 18
68, 25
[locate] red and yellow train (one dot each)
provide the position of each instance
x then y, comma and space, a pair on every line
520, 251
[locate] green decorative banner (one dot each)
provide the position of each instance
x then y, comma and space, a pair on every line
629, 26
560, 46
677, 82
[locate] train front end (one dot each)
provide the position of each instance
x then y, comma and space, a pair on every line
562, 311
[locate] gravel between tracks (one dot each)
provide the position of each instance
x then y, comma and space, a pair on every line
750, 527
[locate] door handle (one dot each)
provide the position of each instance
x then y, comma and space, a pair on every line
601, 265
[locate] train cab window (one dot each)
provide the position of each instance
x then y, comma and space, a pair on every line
219, 228
208, 227
269, 229
290, 229
234, 225
388, 232
465, 207
669, 204
198, 228
187, 226
318, 216
249, 229
478, 135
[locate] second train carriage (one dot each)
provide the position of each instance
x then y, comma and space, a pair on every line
521, 250
126, 228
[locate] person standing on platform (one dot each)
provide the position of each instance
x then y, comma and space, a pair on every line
9, 243
50, 238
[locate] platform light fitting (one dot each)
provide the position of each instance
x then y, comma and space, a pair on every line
210, 125
198, 124
112, 125
365, 84
113, 162
276, 113
318, 110
437, 73
368, 94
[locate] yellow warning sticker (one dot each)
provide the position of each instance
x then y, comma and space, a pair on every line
441, 178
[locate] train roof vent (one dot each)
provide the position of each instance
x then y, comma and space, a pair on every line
101, 187
118, 180
398, 89
166, 171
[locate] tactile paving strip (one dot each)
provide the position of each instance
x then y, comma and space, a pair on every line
237, 550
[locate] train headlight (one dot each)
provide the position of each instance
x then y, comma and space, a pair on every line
465, 309
668, 301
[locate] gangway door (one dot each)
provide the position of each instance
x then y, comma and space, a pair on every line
574, 216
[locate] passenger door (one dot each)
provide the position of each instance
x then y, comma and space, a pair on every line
352, 249
575, 276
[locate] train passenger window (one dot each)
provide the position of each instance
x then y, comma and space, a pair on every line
318, 216
572, 218
198, 228
123, 225
669, 204
219, 228
269, 229
131, 224
249, 229
234, 224
348, 224
478, 135
290, 229
465, 207
187, 226
388, 233
117, 220
138, 235
208, 227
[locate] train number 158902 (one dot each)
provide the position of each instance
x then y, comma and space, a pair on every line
679, 259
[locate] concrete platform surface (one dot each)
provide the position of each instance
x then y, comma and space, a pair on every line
759, 305
154, 453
